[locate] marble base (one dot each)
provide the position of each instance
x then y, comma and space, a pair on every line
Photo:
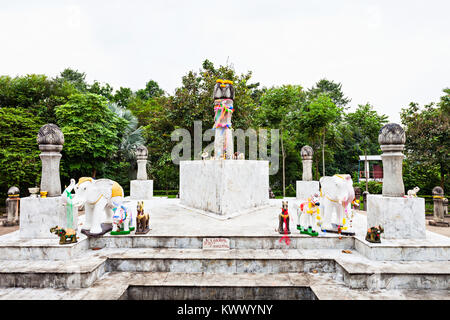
401, 218
224, 187
141, 189
38, 215
306, 189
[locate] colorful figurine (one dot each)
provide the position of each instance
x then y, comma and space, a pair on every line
413, 193
65, 236
122, 219
223, 107
98, 198
308, 221
337, 195
373, 234
142, 219
284, 219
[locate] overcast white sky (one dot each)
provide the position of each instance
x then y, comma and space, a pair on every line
388, 53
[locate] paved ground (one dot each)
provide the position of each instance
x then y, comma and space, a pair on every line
5, 230
248, 221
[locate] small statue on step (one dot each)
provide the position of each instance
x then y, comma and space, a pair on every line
122, 220
65, 236
373, 234
271, 194
413, 193
142, 219
284, 219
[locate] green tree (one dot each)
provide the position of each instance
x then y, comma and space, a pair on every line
152, 90
331, 89
19, 154
123, 97
74, 77
277, 104
102, 90
318, 117
36, 93
365, 124
92, 133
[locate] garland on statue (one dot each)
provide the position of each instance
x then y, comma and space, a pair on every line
69, 210
222, 106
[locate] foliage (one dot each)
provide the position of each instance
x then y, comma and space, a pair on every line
360, 131
277, 106
428, 134
36, 93
152, 90
331, 89
19, 156
318, 118
103, 126
92, 133
74, 77
374, 187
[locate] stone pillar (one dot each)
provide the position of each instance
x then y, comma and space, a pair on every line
401, 217
445, 206
50, 140
141, 156
142, 188
307, 156
365, 194
38, 215
392, 140
12, 206
438, 211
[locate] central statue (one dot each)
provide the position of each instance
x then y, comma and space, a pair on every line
223, 108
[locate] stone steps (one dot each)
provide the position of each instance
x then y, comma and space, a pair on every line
434, 248
208, 261
252, 286
352, 270
77, 273
297, 241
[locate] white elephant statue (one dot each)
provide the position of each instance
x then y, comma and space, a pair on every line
337, 196
99, 198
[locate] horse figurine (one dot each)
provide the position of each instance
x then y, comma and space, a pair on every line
142, 219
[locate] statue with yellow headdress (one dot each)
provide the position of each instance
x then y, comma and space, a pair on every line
223, 108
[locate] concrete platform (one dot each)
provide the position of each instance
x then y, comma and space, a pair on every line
182, 286
224, 188
169, 262
175, 227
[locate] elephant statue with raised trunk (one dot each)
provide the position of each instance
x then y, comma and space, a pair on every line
99, 198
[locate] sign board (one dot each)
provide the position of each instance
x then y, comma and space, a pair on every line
216, 244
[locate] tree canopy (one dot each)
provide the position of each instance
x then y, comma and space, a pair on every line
103, 125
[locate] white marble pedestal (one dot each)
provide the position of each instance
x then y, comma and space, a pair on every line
141, 189
306, 189
38, 215
401, 218
224, 187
